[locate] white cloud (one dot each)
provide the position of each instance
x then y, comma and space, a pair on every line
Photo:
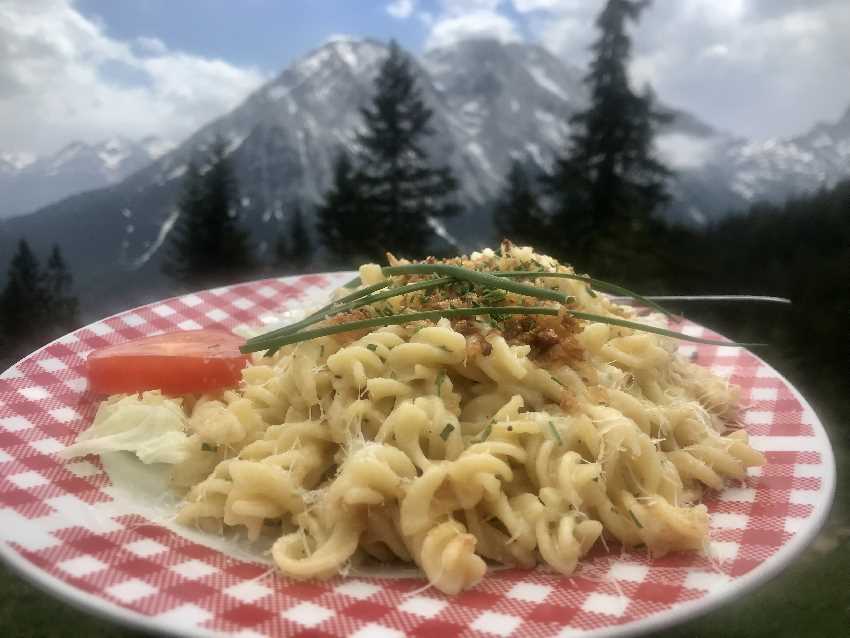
466, 19
340, 37
527, 6
761, 71
565, 27
401, 9
62, 78
757, 67
481, 24
684, 151
151, 45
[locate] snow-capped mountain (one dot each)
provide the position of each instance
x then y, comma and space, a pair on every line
718, 173
28, 183
776, 169
286, 135
11, 163
505, 100
491, 102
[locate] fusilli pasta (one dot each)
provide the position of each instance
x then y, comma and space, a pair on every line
449, 443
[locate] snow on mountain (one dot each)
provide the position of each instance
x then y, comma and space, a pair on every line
506, 100
28, 183
776, 169
491, 102
11, 163
718, 173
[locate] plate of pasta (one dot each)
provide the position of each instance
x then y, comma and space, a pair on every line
485, 445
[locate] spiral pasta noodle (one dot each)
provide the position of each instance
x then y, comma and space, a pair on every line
448, 444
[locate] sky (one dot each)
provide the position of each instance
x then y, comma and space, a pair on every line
91, 69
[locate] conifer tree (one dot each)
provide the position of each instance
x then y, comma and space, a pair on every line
294, 248
517, 213
209, 245
62, 306
224, 233
403, 189
35, 305
280, 258
25, 297
609, 176
185, 258
348, 229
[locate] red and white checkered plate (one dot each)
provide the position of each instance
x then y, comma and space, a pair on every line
63, 524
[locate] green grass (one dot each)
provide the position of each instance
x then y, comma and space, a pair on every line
811, 598
28, 612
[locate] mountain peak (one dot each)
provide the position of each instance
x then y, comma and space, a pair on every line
492, 102
352, 52
12, 162
30, 182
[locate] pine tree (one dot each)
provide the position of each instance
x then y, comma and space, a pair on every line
609, 176
62, 306
35, 305
186, 258
24, 300
294, 248
209, 246
224, 234
348, 230
402, 188
23, 304
281, 258
517, 213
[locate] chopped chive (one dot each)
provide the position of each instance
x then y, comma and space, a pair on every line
493, 283
555, 433
599, 284
355, 300
485, 433
371, 346
206, 447
322, 351
441, 376
446, 431
498, 317
353, 283
483, 279
589, 316
329, 309
634, 518
493, 296
557, 380
272, 342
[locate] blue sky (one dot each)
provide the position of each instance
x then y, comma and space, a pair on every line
91, 69
264, 33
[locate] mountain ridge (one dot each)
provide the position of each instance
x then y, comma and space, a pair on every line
492, 102
29, 183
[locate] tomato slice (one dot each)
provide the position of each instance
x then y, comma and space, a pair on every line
177, 363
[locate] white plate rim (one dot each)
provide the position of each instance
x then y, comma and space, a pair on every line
677, 614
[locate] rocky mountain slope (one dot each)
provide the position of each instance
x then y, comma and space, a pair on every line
29, 183
491, 102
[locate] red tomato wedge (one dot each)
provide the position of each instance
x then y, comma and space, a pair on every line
177, 363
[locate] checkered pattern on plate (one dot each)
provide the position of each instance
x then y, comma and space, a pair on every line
56, 526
